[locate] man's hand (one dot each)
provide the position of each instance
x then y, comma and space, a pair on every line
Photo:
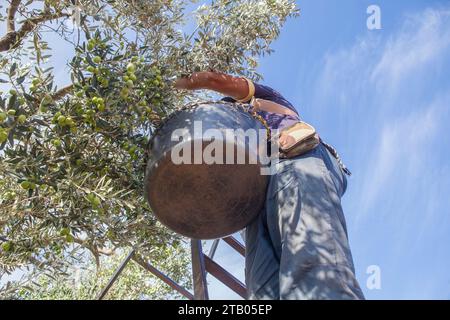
198, 80
181, 83
235, 87
193, 82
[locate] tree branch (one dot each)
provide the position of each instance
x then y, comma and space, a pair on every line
11, 15
61, 93
58, 95
96, 251
13, 38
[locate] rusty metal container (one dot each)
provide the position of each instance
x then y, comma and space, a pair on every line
205, 201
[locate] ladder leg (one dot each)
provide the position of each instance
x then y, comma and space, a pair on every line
199, 271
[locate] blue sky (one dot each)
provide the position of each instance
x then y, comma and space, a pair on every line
382, 98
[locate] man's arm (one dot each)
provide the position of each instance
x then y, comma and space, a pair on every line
270, 106
238, 88
235, 87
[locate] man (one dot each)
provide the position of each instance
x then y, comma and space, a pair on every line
298, 247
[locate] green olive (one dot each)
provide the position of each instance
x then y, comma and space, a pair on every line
25, 184
47, 99
6, 246
91, 44
56, 142
97, 202
124, 92
69, 122
22, 118
55, 117
64, 232
61, 120
3, 136
131, 67
69, 238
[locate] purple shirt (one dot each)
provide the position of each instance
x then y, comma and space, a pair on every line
274, 120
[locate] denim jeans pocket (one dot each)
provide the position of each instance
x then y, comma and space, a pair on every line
284, 175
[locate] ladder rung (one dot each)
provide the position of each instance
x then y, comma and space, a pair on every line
225, 277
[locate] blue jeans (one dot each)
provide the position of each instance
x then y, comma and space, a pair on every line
298, 246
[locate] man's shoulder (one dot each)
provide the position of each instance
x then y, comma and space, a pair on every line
266, 92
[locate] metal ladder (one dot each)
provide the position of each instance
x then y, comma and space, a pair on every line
202, 264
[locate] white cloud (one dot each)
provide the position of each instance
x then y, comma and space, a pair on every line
422, 40
377, 66
400, 151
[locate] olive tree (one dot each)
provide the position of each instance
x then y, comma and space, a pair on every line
72, 155
84, 282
